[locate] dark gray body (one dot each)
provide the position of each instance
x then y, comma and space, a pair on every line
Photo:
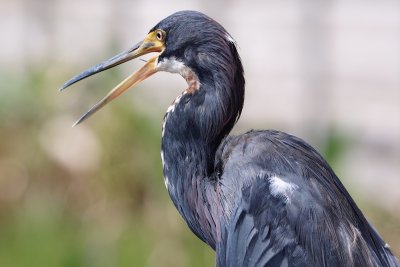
264, 198
316, 223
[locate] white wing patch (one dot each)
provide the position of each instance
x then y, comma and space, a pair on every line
279, 187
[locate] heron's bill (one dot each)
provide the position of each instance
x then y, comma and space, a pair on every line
150, 44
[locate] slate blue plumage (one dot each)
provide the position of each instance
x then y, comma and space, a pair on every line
263, 198
221, 185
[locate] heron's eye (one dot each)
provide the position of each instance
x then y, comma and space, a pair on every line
160, 35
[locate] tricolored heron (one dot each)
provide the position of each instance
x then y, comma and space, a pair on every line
263, 198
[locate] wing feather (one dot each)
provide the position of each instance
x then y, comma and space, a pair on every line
291, 210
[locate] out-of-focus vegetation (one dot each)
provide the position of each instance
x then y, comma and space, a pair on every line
93, 195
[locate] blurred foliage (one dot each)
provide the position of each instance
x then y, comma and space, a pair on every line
61, 205
336, 144
54, 211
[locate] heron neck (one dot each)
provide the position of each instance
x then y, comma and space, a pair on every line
194, 126
188, 157
193, 129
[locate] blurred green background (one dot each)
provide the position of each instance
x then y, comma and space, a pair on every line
93, 195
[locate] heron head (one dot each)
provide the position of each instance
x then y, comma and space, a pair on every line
186, 40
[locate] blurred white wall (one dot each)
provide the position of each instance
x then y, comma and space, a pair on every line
309, 65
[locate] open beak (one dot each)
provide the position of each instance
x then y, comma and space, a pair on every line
150, 44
